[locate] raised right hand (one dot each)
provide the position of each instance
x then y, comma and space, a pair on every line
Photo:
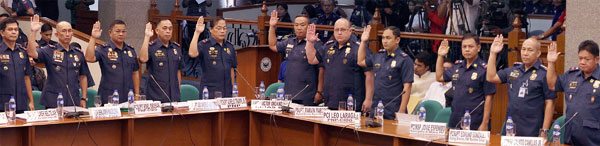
149, 32
274, 19
552, 53
497, 45
444, 48
35, 23
96, 30
311, 34
365, 35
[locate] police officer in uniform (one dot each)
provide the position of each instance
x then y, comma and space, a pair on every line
394, 71
46, 36
327, 18
16, 69
530, 100
472, 92
66, 66
216, 56
118, 62
163, 59
342, 76
299, 72
581, 87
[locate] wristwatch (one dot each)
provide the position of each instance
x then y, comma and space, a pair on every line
543, 131
84, 99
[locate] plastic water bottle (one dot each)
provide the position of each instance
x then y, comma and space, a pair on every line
350, 103
261, 89
115, 98
280, 93
235, 92
466, 122
556, 134
12, 109
510, 127
379, 112
205, 93
60, 103
130, 100
422, 114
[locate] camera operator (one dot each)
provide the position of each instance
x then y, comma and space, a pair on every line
437, 15
394, 13
459, 8
498, 15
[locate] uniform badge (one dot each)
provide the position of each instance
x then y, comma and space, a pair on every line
228, 51
377, 65
331, 51
474, 76
159, 53
58, 56
114, 66
514, 74
347, 51
110, 50
129, 53
5, 58
76, 58
5, 67
533, 76
21, 55
112, 55
175, 51
393, 63
596, 84
290, 46
573, 85
455, 76
70, 55
470, 90
213, 52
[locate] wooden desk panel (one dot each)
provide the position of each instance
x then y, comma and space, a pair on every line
13, 136
272, 130
106, 133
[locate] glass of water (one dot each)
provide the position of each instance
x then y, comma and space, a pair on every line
287, 97
218, 94
142, 97
342, 105
97, 101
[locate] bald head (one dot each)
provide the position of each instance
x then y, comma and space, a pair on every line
343, 22
342, 30
63, 24
530, 51
64, 33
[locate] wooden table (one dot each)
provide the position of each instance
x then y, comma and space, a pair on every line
269, 128
223, 127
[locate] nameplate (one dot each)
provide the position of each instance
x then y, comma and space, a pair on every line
427, 128
469, 136
231, 103
203, 105
105, 112
141, 108
348, 117
269, 105
41, 115
406, 119
310, 111
3, 119
521, 141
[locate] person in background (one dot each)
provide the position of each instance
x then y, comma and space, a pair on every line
437, 17
18, 7
16, 71
284, 16
437, 89
48, 8
328, 17
46, 36
72, 5
395, 13
360, 15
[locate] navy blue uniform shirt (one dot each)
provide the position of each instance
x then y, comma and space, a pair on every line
216, 62
299, 73
527, 95
64, 68
581, 97
164, 61
470, 88
14, 67
117, 66
392, 70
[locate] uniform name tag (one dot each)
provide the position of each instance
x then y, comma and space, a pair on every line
428, 128
522, 92
268, 105
3, 119
522, 141
469, 136
39, 115
341, 117
230, 103
105, 112
310, 111
141, 108
203, 105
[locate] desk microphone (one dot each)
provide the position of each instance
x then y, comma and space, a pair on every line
287, 108
571, 118
167, 108
463, 118
245, 81
373, 123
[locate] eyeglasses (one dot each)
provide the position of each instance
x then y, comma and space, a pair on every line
341, 29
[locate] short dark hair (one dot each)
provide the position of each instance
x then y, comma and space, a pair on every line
589, 46
115, 23
395, 30
46, 27
4, 15
425, 58
471, 36
285, 6
7, 21
215, 20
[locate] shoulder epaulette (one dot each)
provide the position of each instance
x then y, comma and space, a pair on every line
205, 41
543, 67
404, 54
458, 61
381, 51
574, 69
329, 42
518, 63
151, 43
176, 44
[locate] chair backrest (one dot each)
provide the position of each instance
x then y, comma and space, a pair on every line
189, 92
273, 88
443, 116
432, 107
91, 97
36, 100
560, 121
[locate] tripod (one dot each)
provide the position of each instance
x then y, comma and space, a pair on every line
458, 16
422, 23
